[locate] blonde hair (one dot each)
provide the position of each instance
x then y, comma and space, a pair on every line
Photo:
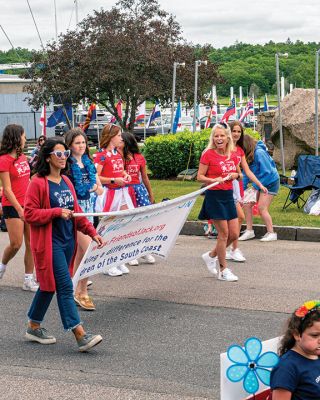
227, 131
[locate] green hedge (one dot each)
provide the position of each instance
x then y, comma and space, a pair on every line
168, 155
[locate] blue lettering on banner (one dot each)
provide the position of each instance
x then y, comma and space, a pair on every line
133, 254
151, 248
187, 204
147, 239
163, 238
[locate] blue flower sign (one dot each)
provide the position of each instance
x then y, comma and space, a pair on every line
250, 365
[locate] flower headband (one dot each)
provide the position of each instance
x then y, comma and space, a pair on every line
306, 308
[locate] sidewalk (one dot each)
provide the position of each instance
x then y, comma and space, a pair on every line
296, 233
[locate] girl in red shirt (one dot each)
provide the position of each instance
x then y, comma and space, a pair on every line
15, 176
114, 178
136, 167
218, 164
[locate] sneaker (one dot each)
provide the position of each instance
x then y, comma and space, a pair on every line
123, 268
133, 263
88, 341
236, 255
247, 234
30, 285
227, 275
206, 229
85, 302
269, 237
148, 259
211, 262
39, 335
229, 254
114, 271
2, 270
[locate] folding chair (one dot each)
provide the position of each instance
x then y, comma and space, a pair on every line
307, 178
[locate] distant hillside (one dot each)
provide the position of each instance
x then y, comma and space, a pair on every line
15, 56
253, 66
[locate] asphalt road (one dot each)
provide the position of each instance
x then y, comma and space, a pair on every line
164, 325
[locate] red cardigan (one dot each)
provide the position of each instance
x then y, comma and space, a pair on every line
39, 214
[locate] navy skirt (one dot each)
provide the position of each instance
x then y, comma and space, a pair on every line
218, 204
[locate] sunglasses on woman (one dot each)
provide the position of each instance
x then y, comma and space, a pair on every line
61, 154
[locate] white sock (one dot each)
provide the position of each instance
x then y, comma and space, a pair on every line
28, 276
2, 266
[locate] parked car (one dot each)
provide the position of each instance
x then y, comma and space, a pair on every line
140, 132
60, 129
185, 123
94, 130
203, 122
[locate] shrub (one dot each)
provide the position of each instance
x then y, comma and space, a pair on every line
168, 155
255, 134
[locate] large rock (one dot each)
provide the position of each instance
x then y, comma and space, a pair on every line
298, 126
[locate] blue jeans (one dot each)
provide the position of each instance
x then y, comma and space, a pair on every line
61, 257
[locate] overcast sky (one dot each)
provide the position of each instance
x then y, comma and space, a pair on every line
219, 23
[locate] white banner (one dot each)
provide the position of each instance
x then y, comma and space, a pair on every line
130, 234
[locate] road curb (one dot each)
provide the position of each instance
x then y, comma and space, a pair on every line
295, 233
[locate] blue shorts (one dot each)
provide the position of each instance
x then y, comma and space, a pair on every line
273, 188
10, 212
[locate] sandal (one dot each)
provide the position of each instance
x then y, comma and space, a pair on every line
85, 302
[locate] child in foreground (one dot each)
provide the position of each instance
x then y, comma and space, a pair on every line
297, 376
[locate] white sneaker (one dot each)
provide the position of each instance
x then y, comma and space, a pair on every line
229, 254
236, 255
114, 271
148, 259
227, 275
133, 263
2, 270
211, 262
269, 237
30, 285
123, 268
89, 283
247, 234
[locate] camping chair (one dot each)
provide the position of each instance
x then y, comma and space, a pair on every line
307, 178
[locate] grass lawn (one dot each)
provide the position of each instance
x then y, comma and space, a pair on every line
290, 217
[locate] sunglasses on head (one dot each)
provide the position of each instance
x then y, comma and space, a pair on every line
60, 154
223, 124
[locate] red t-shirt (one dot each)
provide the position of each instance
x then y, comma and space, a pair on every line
219, 165
97, 156
134, 166
19, 172
112, 166
239, 154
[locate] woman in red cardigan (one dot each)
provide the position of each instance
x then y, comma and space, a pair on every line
49, 206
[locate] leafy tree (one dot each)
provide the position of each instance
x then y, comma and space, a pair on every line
125, 53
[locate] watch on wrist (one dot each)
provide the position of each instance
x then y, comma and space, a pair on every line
112, 180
